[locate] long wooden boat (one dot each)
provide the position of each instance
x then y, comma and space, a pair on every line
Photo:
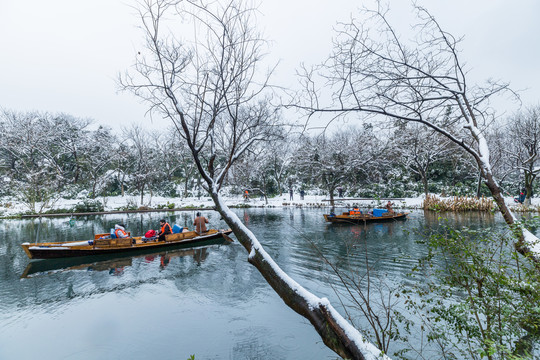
363, 218
99, 245
113, 261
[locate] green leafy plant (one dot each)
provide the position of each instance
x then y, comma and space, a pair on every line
482, 299
89, 206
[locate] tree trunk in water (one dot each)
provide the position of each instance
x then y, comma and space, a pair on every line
320, 316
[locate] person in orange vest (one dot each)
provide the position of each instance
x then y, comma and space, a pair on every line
199, 223
355, 211
120, 231
165, 229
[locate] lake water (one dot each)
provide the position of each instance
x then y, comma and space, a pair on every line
207, 301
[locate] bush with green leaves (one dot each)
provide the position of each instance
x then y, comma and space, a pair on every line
480, 298
89, 206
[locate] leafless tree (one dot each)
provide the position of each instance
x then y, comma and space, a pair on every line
280, 156
372, 71
524, 147
168, 154
217, 96
145, 163
96, 154
419, 149
28, 144
333, 159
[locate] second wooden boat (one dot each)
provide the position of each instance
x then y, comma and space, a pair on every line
364, 218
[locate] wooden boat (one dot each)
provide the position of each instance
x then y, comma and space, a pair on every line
363, 218
114, 261
100, 246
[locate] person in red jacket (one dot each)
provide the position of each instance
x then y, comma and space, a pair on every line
165, 229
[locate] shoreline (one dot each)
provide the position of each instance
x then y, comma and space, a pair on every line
13, 209
26, 216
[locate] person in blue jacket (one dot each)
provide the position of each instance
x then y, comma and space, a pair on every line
521, 198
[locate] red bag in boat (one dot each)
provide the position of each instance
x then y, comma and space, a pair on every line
150, 233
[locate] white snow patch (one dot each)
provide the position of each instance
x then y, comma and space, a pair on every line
78, 243
533, 243
46, 248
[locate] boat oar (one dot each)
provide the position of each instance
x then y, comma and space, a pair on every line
227, 237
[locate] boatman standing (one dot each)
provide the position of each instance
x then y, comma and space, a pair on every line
389, 208
199, 223
165, 229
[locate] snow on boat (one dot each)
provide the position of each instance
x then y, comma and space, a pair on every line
100, 245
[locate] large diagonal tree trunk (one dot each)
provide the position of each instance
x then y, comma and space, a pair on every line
215, 95
522, 246
335, 331
421, 82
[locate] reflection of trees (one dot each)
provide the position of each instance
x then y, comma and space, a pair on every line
472, 218
222, 271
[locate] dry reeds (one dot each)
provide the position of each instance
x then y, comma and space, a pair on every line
458, 203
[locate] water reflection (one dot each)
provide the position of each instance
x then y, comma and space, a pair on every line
196, 294
116, 265
473, 218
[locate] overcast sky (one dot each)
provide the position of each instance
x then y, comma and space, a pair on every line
64, 55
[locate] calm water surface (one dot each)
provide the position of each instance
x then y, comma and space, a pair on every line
208, 301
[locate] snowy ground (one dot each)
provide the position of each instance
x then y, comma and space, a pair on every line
11, 207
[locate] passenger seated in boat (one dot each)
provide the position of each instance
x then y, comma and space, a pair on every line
355, 211
165, 229
120, 231
389, 208
199, 223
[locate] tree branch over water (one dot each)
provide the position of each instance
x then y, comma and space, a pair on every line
373, 72
214, 91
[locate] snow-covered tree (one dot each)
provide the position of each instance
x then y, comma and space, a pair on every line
66, 145
419, 149
26, 143
146, 165
335, 159
524, 147
96, 156
279, 157
168, 153
214, 91
374, 72
254, 171
122, 164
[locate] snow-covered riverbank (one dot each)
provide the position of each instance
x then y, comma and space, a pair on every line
11, 207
